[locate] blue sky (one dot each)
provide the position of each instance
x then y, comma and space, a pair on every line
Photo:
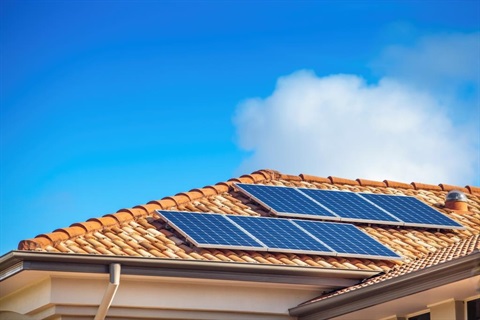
106, 105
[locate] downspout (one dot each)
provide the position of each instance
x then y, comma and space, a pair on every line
109, 292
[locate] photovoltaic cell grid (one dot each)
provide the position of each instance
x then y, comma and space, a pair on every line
411, 210
210, 230
356, 207
349, 205
285, 201
280, 234
346, 239
275, 235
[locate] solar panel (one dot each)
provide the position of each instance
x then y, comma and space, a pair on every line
412, 211
210, 230
347, 240
286, 201
281, 235
350, 207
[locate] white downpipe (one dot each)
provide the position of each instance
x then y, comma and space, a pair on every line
109, 292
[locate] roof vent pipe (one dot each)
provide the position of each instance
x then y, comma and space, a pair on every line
456, 200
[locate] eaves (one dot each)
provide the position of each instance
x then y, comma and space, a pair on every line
17, 261
391, 289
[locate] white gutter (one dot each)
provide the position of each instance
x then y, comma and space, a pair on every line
109, 292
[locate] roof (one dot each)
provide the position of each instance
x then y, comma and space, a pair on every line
460, 249
139, 231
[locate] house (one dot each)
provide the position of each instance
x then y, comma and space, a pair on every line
133, 264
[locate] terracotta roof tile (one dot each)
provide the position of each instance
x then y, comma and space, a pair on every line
473, 190
460, 249
342, 181
447, 187
139, 231
371, 183
424, 186
398, 185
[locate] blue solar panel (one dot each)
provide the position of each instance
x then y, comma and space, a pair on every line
286, 201
210, 230
281, 235
275, 235
347, 240
412, 211
350, 207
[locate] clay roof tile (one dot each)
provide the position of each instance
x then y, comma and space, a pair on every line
342, 181
396, 184
424, 186
105, 221
371, 183
448, 187
308, 178
149, 208
473, 190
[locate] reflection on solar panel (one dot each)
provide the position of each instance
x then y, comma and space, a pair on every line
347, 240
286, 201
210, 230
350, 207
207, 230
281, 234
412, 211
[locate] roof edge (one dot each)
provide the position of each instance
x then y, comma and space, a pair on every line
424, 279
128, 214
18, 261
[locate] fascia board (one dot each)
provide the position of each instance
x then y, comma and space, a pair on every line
391, 289
184, 268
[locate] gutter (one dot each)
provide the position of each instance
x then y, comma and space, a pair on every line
391, 289
109, 292
18, 261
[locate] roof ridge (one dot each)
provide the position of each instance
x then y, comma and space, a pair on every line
129, 214
385, 183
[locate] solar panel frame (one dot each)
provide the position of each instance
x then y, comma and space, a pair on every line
348, 206
410, 216
196, 237
261, 199
347, 240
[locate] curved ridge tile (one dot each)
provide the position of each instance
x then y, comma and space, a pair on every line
337, 180
448, 187
371, 183
190, 195
88, 225
135, 212
397, 184
309, 178
149, 207
71, 232
290, 177
121, 217
425, 186
473, 189
105, 221
246, 178
40, 242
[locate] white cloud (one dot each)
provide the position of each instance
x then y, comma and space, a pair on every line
435, 62
339, 125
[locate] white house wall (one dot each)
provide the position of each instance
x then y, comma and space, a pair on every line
76, 296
